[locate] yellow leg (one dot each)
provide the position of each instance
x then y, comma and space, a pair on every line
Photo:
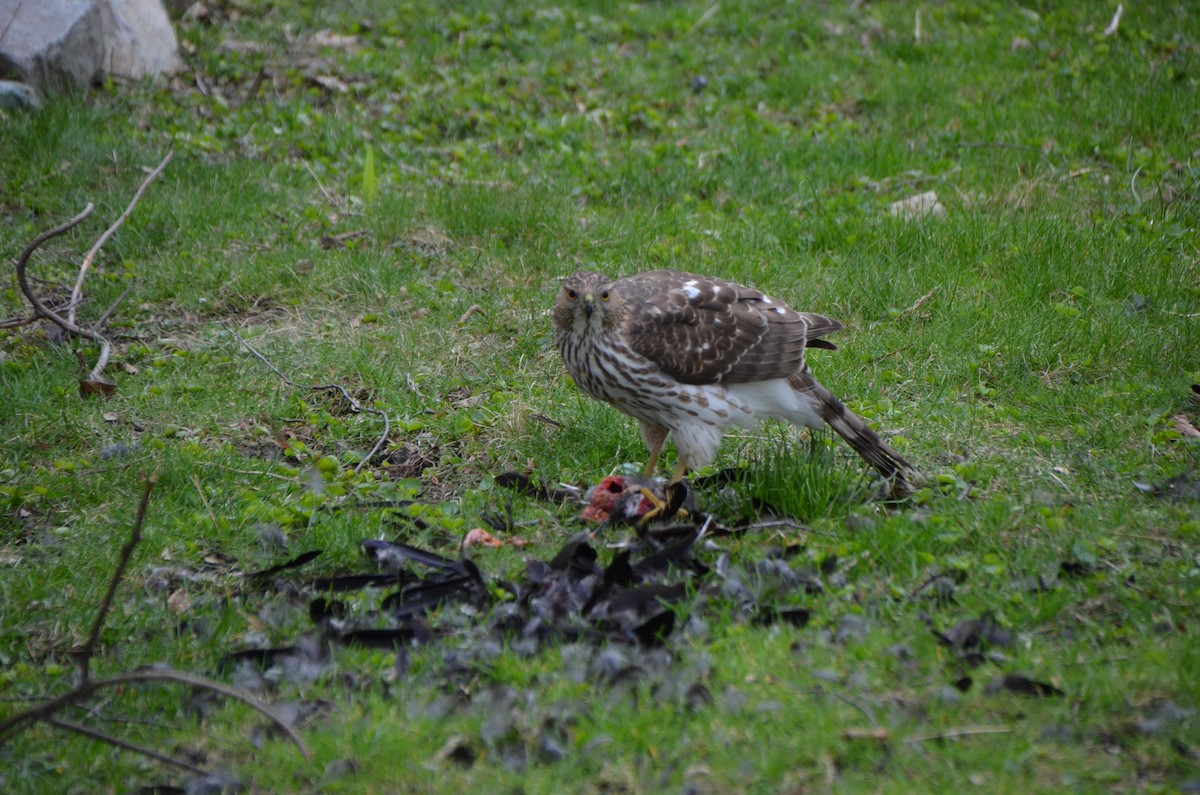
651, 462
655, 436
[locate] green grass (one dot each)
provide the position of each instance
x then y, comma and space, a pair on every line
1028, 352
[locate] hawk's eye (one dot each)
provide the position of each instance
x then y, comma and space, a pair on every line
604, 295
572, 295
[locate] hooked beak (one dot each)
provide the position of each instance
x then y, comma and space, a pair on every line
589, 304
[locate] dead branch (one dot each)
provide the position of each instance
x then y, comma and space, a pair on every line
103, 321
87, 686
77, 292
125, 745
969, 731
995, 145
918, 304
46, 709
355, 406
42, 311
17, 322
94, 383
1115, 23
135, 537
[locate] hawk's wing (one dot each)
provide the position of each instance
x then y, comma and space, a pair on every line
700, 330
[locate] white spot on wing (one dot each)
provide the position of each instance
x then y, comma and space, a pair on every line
690, 289
778, 310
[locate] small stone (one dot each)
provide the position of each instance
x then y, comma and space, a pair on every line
923, 205
18, 96
948, 696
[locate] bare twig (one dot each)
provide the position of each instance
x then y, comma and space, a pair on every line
94, 712
135, 537
917, 305
46, 709
329, 197
994, 145
203, 499
1133, 187
705, 17
17, 322
87, 686
252, 92
94, 382
472, 310
882, 356
1058, 480
355, 406
969, 731
125, 745
264, 473
41, 310
1111, 30
77, 292
113, 308
820, 691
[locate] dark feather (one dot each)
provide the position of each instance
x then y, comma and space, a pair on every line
878, 453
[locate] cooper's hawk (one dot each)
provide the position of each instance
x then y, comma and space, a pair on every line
689, 355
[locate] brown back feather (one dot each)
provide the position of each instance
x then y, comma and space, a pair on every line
701, 330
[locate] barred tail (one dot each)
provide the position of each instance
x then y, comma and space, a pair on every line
890, 464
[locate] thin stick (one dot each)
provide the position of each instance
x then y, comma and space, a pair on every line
135, 538
77, 292
355, 406
707, 15
969, 731
472, 310
820, 691
994, 145
85, 689
1116, 21
1133, 186
113, 308
204, 500
883, 356
328, 196
125, 745
41, 310
264, 473
17, 322
33, 246
919, 303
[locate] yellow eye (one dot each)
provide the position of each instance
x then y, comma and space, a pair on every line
604, 295
572, 295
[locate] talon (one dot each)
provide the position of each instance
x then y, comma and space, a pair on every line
664, 509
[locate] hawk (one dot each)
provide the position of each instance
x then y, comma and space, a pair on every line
687, 356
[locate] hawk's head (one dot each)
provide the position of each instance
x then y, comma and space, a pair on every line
584, 300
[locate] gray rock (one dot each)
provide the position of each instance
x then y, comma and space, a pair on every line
64, 44
139, 41
53, 44
18, 96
